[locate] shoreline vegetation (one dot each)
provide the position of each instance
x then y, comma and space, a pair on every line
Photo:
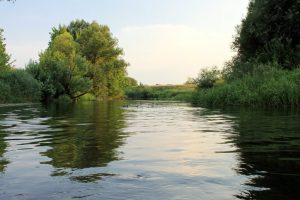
84, 62
266, 70
161, 92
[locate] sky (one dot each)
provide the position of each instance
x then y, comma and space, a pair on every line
165, 41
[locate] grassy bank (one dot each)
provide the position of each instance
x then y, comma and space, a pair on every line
161, 92
266, 86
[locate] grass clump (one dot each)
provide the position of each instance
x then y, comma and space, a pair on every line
266, 85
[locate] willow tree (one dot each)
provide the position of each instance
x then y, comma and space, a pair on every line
270, 33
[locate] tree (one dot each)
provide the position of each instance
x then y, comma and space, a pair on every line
97, 44
130, 82
62, 70
207, 78
77, 27
270, 33
81, 58
4, 57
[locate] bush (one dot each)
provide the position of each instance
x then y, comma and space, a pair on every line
18, 86
207, 78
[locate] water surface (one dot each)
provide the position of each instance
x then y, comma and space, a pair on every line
147, 150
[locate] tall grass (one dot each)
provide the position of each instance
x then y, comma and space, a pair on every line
266, 86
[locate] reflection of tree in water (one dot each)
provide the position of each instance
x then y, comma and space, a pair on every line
3, 144
87, 135
269, 146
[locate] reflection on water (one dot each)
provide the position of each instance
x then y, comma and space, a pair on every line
268, 145
147, 150
87, 136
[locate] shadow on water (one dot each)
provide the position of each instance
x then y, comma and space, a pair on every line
268, 149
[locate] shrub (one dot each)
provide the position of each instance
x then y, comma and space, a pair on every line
207, 78
19, 86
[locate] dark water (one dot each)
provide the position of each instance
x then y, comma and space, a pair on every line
147, 150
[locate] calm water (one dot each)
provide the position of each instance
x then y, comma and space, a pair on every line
147, 150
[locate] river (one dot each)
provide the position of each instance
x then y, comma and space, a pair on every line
148, 150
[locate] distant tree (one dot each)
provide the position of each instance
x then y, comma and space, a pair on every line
270, 33
4, 57
190, 81
207, 78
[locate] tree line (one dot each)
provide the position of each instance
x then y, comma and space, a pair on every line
81, 58
265, 70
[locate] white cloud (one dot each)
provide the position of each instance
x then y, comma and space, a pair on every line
166, 53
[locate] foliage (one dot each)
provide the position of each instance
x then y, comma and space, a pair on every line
4, 57
15, 85
18, 86
270, 33
81, 58
173, 92
108, 72
87, 97
130, 82
265, 71
207, 78
61, 70
266, 86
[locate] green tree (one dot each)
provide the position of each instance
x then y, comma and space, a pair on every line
81, 58
4, 57
76, 28
270, 33
62, 70
207, 78
130, 82
108, 70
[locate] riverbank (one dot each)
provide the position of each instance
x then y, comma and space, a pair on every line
161, 92
265, 87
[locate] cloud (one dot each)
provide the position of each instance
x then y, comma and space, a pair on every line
167, 53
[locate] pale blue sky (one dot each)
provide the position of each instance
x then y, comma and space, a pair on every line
165, 41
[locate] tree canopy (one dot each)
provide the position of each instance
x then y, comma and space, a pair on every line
81, 58
270, 33
4, 57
